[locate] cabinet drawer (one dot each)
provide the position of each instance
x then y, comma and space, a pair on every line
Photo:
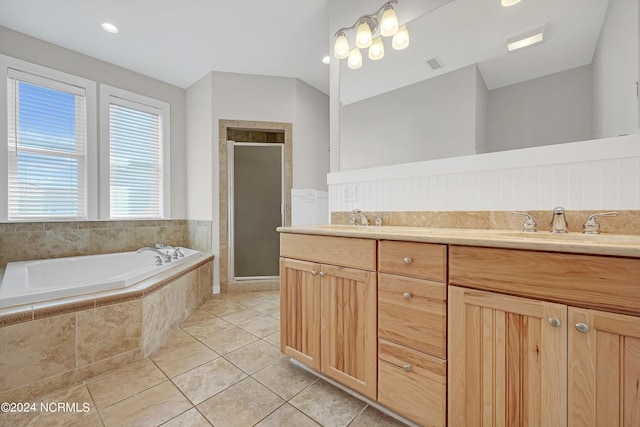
591, 281
417, 392
424, 260
343, 251
418, 322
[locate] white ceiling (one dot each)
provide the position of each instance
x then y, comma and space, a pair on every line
465, 32
179, 41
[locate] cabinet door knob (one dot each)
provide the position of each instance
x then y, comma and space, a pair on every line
406, 367
555, 322
313, 272
406, 295
322, 274
407, 260
582, 327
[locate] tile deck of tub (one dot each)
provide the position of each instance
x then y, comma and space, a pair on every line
221, 367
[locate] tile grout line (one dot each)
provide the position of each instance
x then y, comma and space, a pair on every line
86, 384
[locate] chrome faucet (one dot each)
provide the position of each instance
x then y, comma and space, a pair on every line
558, 221
358, 215
529, 225
176, 251
591, 226
164, 256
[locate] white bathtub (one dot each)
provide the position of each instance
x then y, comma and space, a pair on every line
28, 282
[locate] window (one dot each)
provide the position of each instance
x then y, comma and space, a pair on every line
49, 148
134, 148
49, 143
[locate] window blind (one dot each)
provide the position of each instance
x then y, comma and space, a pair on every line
46, 148
135, 160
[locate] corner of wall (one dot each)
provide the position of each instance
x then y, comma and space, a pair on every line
482, 115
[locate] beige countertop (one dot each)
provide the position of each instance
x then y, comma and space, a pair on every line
600, 244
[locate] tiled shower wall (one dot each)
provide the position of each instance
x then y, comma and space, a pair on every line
40, 240
591, 175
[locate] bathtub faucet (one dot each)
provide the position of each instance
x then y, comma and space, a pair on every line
176, 251
164, 256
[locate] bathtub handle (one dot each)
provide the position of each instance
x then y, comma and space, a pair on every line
176, 251
158, 260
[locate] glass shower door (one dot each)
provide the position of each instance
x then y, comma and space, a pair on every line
256, 209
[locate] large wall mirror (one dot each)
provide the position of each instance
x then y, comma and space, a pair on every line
579, 83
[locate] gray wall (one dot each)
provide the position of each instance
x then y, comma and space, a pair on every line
230, 96
615, 71
310, 138
482, 112
39, 52
200, 143
543, 111
432, 119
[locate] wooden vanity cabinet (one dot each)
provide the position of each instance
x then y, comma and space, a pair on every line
328, 307
604, 369
528, 361
300, 311
507, 363
348, 328
412, 325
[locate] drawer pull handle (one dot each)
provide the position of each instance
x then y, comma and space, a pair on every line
313, 272
406, 295
582, 327
322, 274
406, 367
555, 322
407, 260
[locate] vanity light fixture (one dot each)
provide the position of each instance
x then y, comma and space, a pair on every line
526, 39
109, 27
366, 27
507, 3
355, 59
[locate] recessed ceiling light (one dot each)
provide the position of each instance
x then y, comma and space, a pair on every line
526, 39
507, 3
326, 59
109, 27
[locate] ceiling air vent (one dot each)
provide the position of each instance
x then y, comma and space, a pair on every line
435, 63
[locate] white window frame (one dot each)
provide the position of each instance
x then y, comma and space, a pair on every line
106, 93
91, 149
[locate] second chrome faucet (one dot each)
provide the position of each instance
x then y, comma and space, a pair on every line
558, 221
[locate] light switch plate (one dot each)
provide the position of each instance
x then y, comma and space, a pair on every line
350, 193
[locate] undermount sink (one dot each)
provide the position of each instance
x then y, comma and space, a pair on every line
602, 239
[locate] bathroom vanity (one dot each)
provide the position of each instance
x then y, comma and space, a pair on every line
468, 327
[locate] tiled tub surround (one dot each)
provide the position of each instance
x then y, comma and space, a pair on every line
23, 241
51, 345
627, 221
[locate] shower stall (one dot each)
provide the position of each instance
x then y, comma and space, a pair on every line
256, 207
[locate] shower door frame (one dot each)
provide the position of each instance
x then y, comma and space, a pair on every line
231, 202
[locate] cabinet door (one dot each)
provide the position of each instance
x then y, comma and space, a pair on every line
300, 311
604, 369
349, 327
507, 363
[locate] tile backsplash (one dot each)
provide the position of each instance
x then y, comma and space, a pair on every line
41, 240
627, 221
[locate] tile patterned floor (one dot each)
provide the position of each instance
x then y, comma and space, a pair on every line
222, 367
